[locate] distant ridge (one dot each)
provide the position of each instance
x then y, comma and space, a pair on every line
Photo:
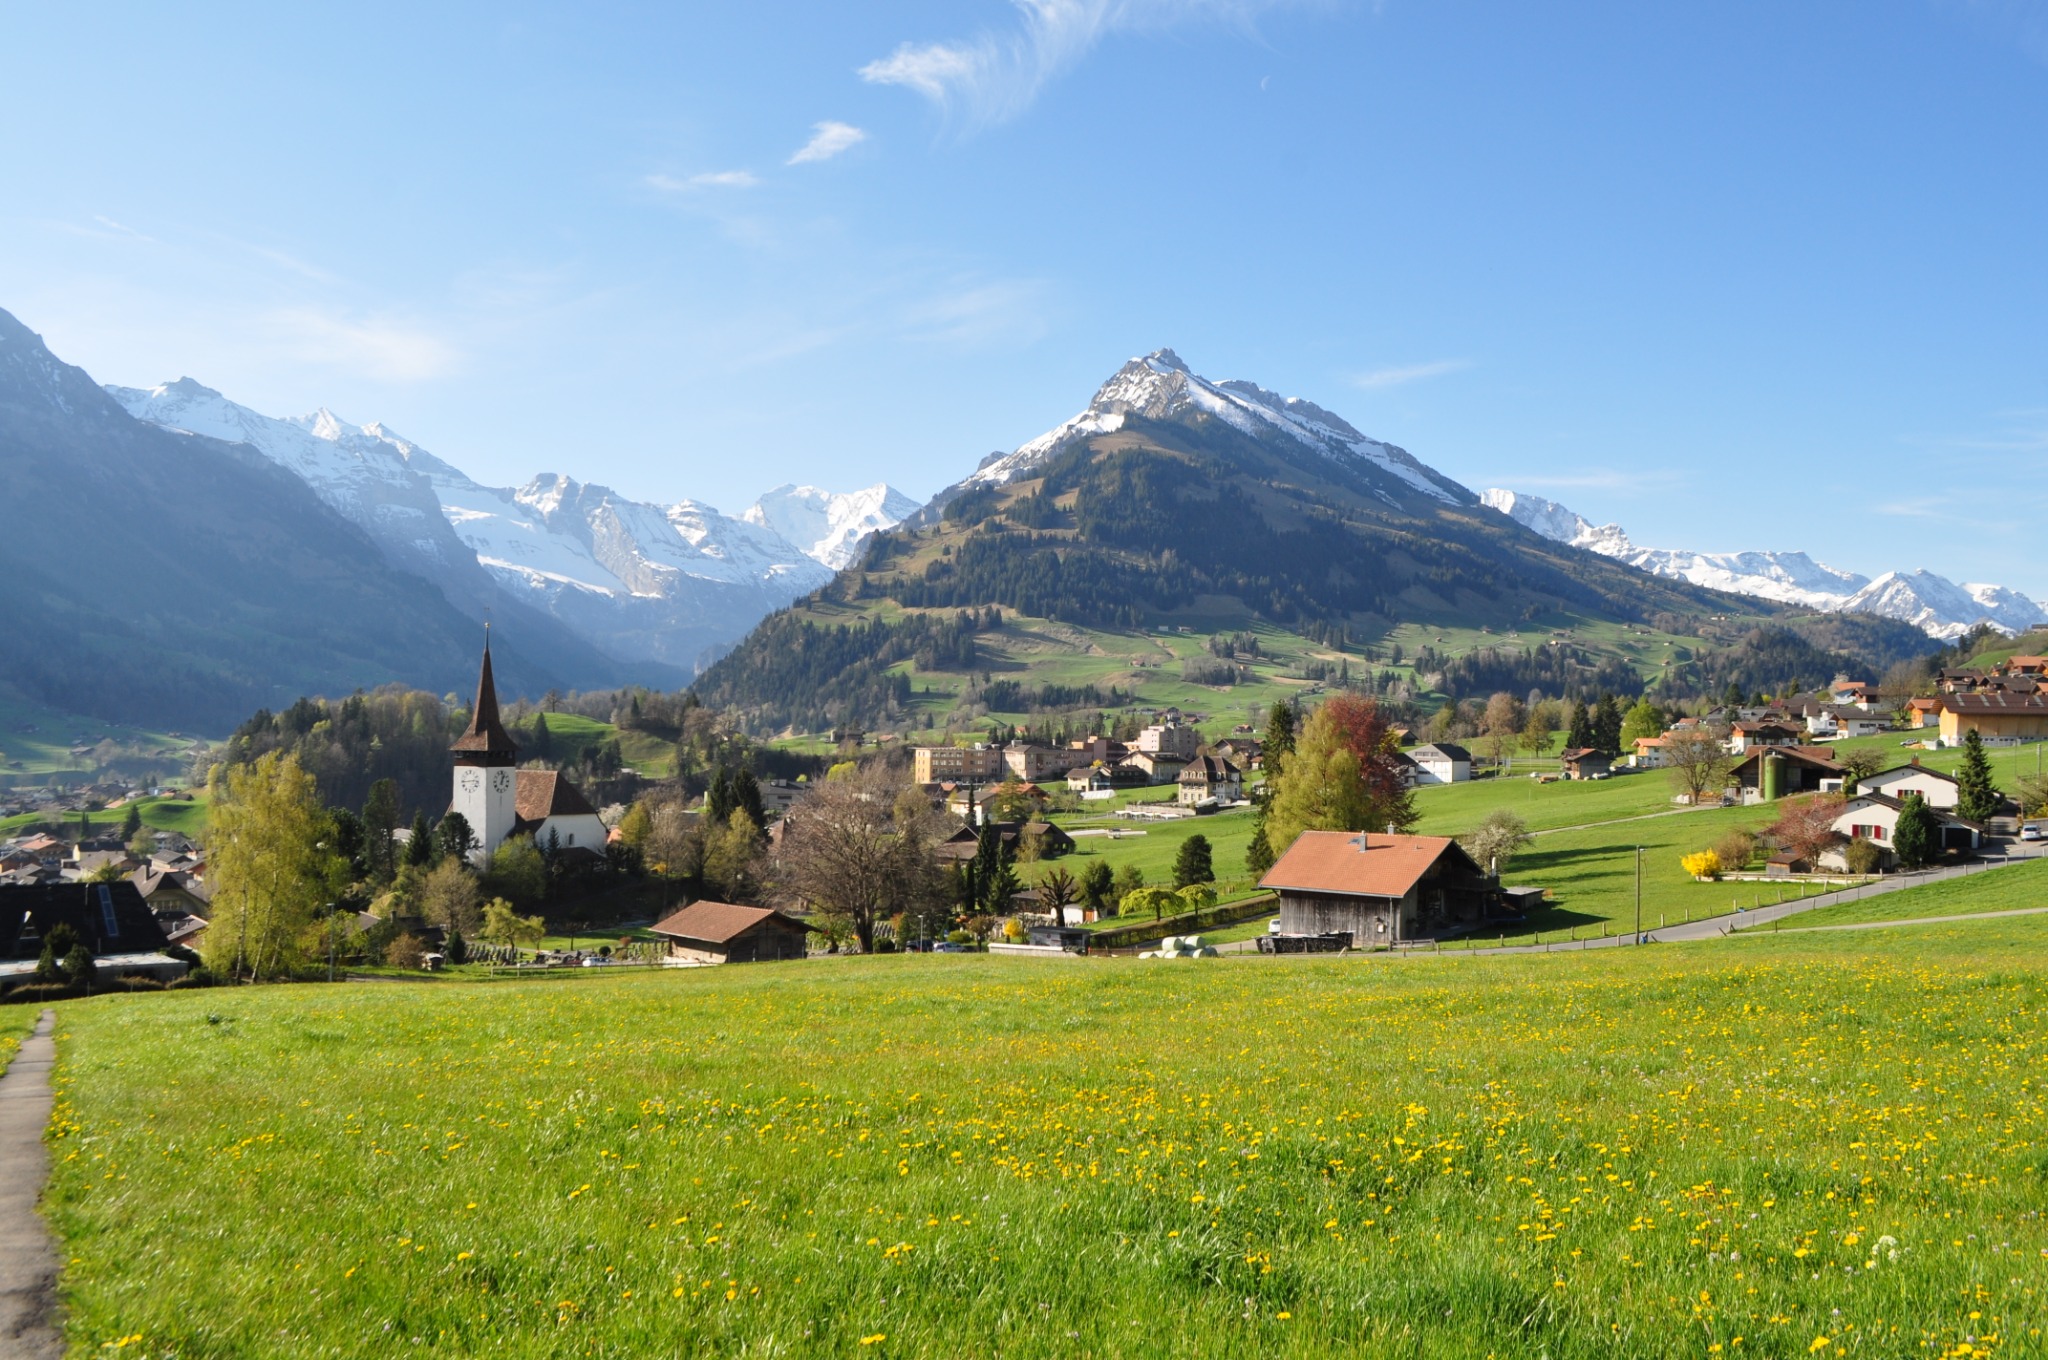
1934, 604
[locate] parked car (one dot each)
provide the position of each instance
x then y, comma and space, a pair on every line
2032, 832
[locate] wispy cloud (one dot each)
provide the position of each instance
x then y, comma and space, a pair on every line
374, 347
996, 76
828, 139
1400, 375
973, 314
715, 179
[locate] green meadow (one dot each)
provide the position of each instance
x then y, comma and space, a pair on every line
184, 815
2015, 887
1826, 1144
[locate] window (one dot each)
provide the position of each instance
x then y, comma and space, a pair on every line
112, 927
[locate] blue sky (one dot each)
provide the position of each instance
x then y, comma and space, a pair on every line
1738, 276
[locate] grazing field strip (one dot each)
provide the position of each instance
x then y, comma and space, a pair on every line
1832, 1144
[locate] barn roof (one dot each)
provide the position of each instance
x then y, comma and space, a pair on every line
1358, 864
718, 922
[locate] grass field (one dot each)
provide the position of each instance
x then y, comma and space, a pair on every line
1828, 1145
15, 1023
2002, 889
186, 816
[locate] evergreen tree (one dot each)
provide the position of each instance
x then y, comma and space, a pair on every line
987, 868
1258, 856
456, 950
1001, 889
131, 825
79, 968
1578, 727
380, 819
1279, 742
453, 837
1096, 881
1192, 864
718, 796
419, 851
1977, 797
746, 796
1917, 838
541, 745
1606, 724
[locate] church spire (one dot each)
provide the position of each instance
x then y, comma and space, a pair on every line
486, 736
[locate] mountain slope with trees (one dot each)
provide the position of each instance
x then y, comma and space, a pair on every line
1178, 504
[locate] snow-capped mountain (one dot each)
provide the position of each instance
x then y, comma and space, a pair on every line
671, 583
830, 526
1932, 603
1160, 387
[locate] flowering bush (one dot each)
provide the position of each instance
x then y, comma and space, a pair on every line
1705, 864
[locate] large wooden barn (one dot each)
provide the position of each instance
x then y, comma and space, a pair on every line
1380, 889
720, 932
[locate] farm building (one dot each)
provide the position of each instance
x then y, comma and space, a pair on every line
1774, 772
1441, 763
1587, 763
719, 932
1380, 889
2000, 718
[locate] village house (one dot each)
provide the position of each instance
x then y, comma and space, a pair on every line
1649, 753
1744, 737
1939, 791
1441, 762
2000, 718
720, 932
1854, 693
1379, 889
964, 844
1210, 779
110, 919
171, 893
1160, 767
1026, 762
1924, 712
1874, 817
1587, 763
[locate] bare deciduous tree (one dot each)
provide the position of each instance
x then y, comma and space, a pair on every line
846, 854
1698, 763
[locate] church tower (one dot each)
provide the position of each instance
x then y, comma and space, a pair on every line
486, 777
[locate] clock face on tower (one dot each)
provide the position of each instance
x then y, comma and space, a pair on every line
501, 781
471, 781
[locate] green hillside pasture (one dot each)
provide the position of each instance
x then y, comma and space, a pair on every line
36, 742
1454, 809
1822, 1144
1591, 874
1229, 833
185, 816
2008, 888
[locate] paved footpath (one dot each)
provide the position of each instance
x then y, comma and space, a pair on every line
28, 1254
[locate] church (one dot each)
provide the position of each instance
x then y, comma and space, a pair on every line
500, 801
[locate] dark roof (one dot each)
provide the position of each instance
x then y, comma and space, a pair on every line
542, 794
88, 908
719, 922
1579, 753
1446, 750
485, 734
1359, 864
1997, 701
1208, 770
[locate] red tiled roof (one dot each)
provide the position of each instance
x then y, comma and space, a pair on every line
1332, 862
716, 922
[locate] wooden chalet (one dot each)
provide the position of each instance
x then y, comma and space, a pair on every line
1380, 889
1587, 763
720, 932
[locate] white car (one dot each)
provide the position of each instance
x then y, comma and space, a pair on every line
2032, 832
